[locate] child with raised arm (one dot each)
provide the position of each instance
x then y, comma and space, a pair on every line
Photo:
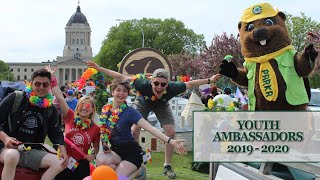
80, 133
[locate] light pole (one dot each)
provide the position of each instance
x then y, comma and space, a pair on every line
135, 23
8, 72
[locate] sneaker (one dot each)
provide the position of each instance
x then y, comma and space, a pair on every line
143, 174
168, 171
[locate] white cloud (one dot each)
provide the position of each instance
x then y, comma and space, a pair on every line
33, 30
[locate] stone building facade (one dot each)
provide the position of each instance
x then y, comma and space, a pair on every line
148, 141
77, 51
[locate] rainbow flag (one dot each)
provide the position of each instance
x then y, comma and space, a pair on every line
74, 167
147, 156
72, 164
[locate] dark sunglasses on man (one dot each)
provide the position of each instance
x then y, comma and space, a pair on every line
156, 83
44, 84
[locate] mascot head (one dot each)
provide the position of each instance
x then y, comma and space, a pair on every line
262, 30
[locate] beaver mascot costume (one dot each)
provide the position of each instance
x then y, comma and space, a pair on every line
273, 71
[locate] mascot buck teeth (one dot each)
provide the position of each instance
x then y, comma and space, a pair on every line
276, 75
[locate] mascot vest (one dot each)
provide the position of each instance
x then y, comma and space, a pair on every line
295, 93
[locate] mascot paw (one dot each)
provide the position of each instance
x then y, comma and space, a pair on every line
228, 69
310, 53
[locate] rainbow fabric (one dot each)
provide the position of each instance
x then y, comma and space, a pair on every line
147, 156
85, 76
74, 167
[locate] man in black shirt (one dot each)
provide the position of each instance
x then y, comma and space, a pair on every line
34, 119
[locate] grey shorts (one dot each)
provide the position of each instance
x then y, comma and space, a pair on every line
31, 159
163, 113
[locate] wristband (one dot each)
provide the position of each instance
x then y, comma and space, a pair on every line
169, 140
54, 81
209, 82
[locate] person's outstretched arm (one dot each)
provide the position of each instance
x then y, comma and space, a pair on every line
157, 133
199, 82
56, 91
119, 77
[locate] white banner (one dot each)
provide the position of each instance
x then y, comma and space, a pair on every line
256, 137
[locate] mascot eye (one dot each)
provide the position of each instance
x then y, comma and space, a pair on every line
250, 27
268, 22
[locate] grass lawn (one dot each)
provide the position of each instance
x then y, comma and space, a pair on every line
180, 163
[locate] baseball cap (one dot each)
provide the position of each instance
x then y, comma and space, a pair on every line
161, 73
258, 11
70, 92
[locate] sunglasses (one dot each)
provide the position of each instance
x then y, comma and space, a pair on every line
85, 105
45, 84
156, 83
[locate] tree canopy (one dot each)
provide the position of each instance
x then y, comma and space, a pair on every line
207, 62
298, 28
5, 73
168, 35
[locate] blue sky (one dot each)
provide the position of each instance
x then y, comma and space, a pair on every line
33, 30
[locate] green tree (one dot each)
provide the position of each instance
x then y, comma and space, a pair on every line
168, 35
298, 28
5, 73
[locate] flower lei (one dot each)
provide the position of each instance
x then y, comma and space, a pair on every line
108, 122
143, 76
82, 125
35, 100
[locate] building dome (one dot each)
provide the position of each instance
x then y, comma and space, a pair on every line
77, 17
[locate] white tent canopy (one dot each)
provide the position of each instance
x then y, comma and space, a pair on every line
193, 104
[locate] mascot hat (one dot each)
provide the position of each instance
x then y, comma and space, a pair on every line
258, 11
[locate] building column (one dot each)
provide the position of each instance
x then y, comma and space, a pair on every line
77, 76
58, 75
70, 75
63, 76
81, 71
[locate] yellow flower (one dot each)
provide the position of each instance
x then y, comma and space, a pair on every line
210, 104
231, 104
